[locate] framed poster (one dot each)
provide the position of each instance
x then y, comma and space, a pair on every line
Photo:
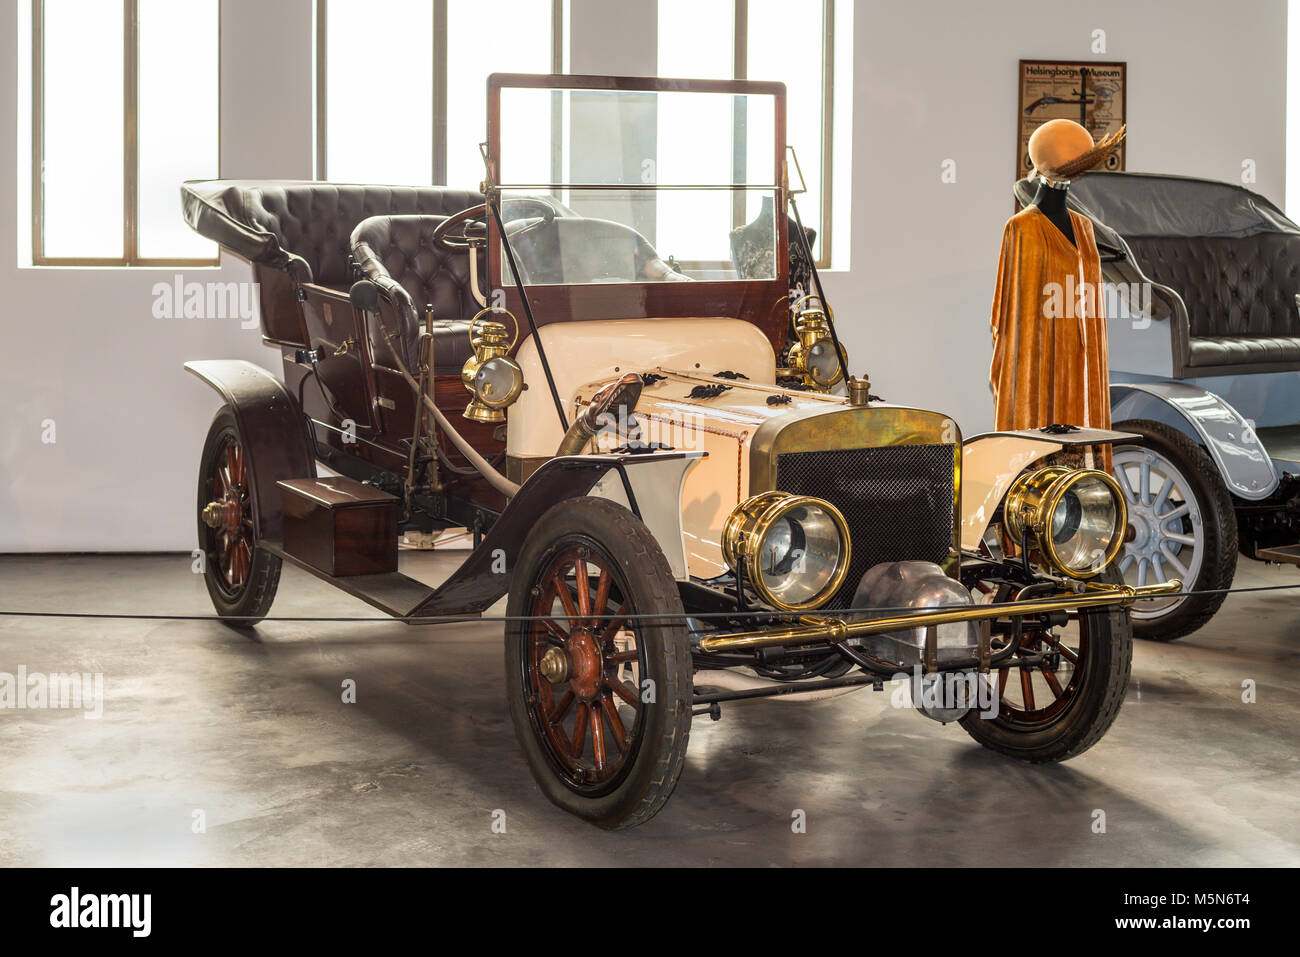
1091, 93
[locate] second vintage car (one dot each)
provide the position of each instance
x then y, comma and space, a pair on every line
579, 363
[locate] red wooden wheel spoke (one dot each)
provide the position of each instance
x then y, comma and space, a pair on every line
566, 597
583, 587
598, 738
555, 630
560, 708
1067, 654
614, 722
1053, 682
602, 594
1027, 688
622, 657
612, 628
621, 689
579, 743
1002, 682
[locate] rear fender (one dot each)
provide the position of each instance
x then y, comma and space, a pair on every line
272, 429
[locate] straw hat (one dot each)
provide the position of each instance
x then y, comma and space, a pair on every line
1062, 149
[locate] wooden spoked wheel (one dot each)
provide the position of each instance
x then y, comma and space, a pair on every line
583, 670
241, 577
229, 518
1036, 694
598, 663
1052, 711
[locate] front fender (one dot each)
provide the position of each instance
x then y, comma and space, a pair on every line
1238, 454
648, 485
991, 462
271, 429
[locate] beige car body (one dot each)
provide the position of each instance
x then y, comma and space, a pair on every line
740, 429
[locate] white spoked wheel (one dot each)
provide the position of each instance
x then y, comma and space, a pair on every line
1182, 525
1168, 528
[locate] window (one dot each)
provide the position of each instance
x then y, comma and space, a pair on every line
125, 106
806, 46
424, 121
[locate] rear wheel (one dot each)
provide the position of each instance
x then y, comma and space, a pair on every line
1183, 524
241, 578
600, 697
1055, 712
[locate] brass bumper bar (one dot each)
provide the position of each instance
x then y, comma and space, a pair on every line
835, 630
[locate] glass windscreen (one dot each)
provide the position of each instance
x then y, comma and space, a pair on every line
603, 186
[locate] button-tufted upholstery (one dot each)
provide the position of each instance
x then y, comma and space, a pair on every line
1240, 293
313, 222
398, 253
1223, 260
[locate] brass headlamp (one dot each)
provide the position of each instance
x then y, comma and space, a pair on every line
793, 549
1076, 518
494, 379
813, 356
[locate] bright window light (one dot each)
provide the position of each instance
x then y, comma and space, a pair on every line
177, 120
518, 41
379, 133
82, 80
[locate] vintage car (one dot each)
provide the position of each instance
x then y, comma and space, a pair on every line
1203, 280
578, 363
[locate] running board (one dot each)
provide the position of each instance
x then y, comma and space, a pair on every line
1286, 555
391, 592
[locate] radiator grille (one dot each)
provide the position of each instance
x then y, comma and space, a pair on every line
897, 500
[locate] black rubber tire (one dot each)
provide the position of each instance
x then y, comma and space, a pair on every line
250, 603
649, 584
1219, 564
1108, 662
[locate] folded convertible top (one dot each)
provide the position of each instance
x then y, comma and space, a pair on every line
219, 209
1156, 205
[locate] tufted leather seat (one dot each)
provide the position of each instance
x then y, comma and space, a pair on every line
308, 225
1223, 264
1239, 292
397, 253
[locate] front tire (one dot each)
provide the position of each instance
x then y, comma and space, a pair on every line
599, 696
1044, 716
241, 577
1185, 527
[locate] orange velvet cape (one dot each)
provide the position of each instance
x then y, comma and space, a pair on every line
1049, 338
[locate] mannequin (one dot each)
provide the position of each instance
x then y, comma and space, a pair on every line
1050, 200
1050, 355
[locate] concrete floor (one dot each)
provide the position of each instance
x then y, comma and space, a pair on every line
253, 733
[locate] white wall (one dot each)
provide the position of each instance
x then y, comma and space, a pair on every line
932, 81
81, 346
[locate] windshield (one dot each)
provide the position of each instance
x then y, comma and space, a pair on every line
603, 186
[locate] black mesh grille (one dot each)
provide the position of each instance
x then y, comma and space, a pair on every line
896, 499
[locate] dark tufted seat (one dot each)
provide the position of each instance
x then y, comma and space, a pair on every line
1223, 263
1239, 292
312, 223
398, 254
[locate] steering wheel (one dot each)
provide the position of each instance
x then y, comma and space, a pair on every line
447, 240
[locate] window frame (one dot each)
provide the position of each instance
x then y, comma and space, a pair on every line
130, 145
740, 67
438, 78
